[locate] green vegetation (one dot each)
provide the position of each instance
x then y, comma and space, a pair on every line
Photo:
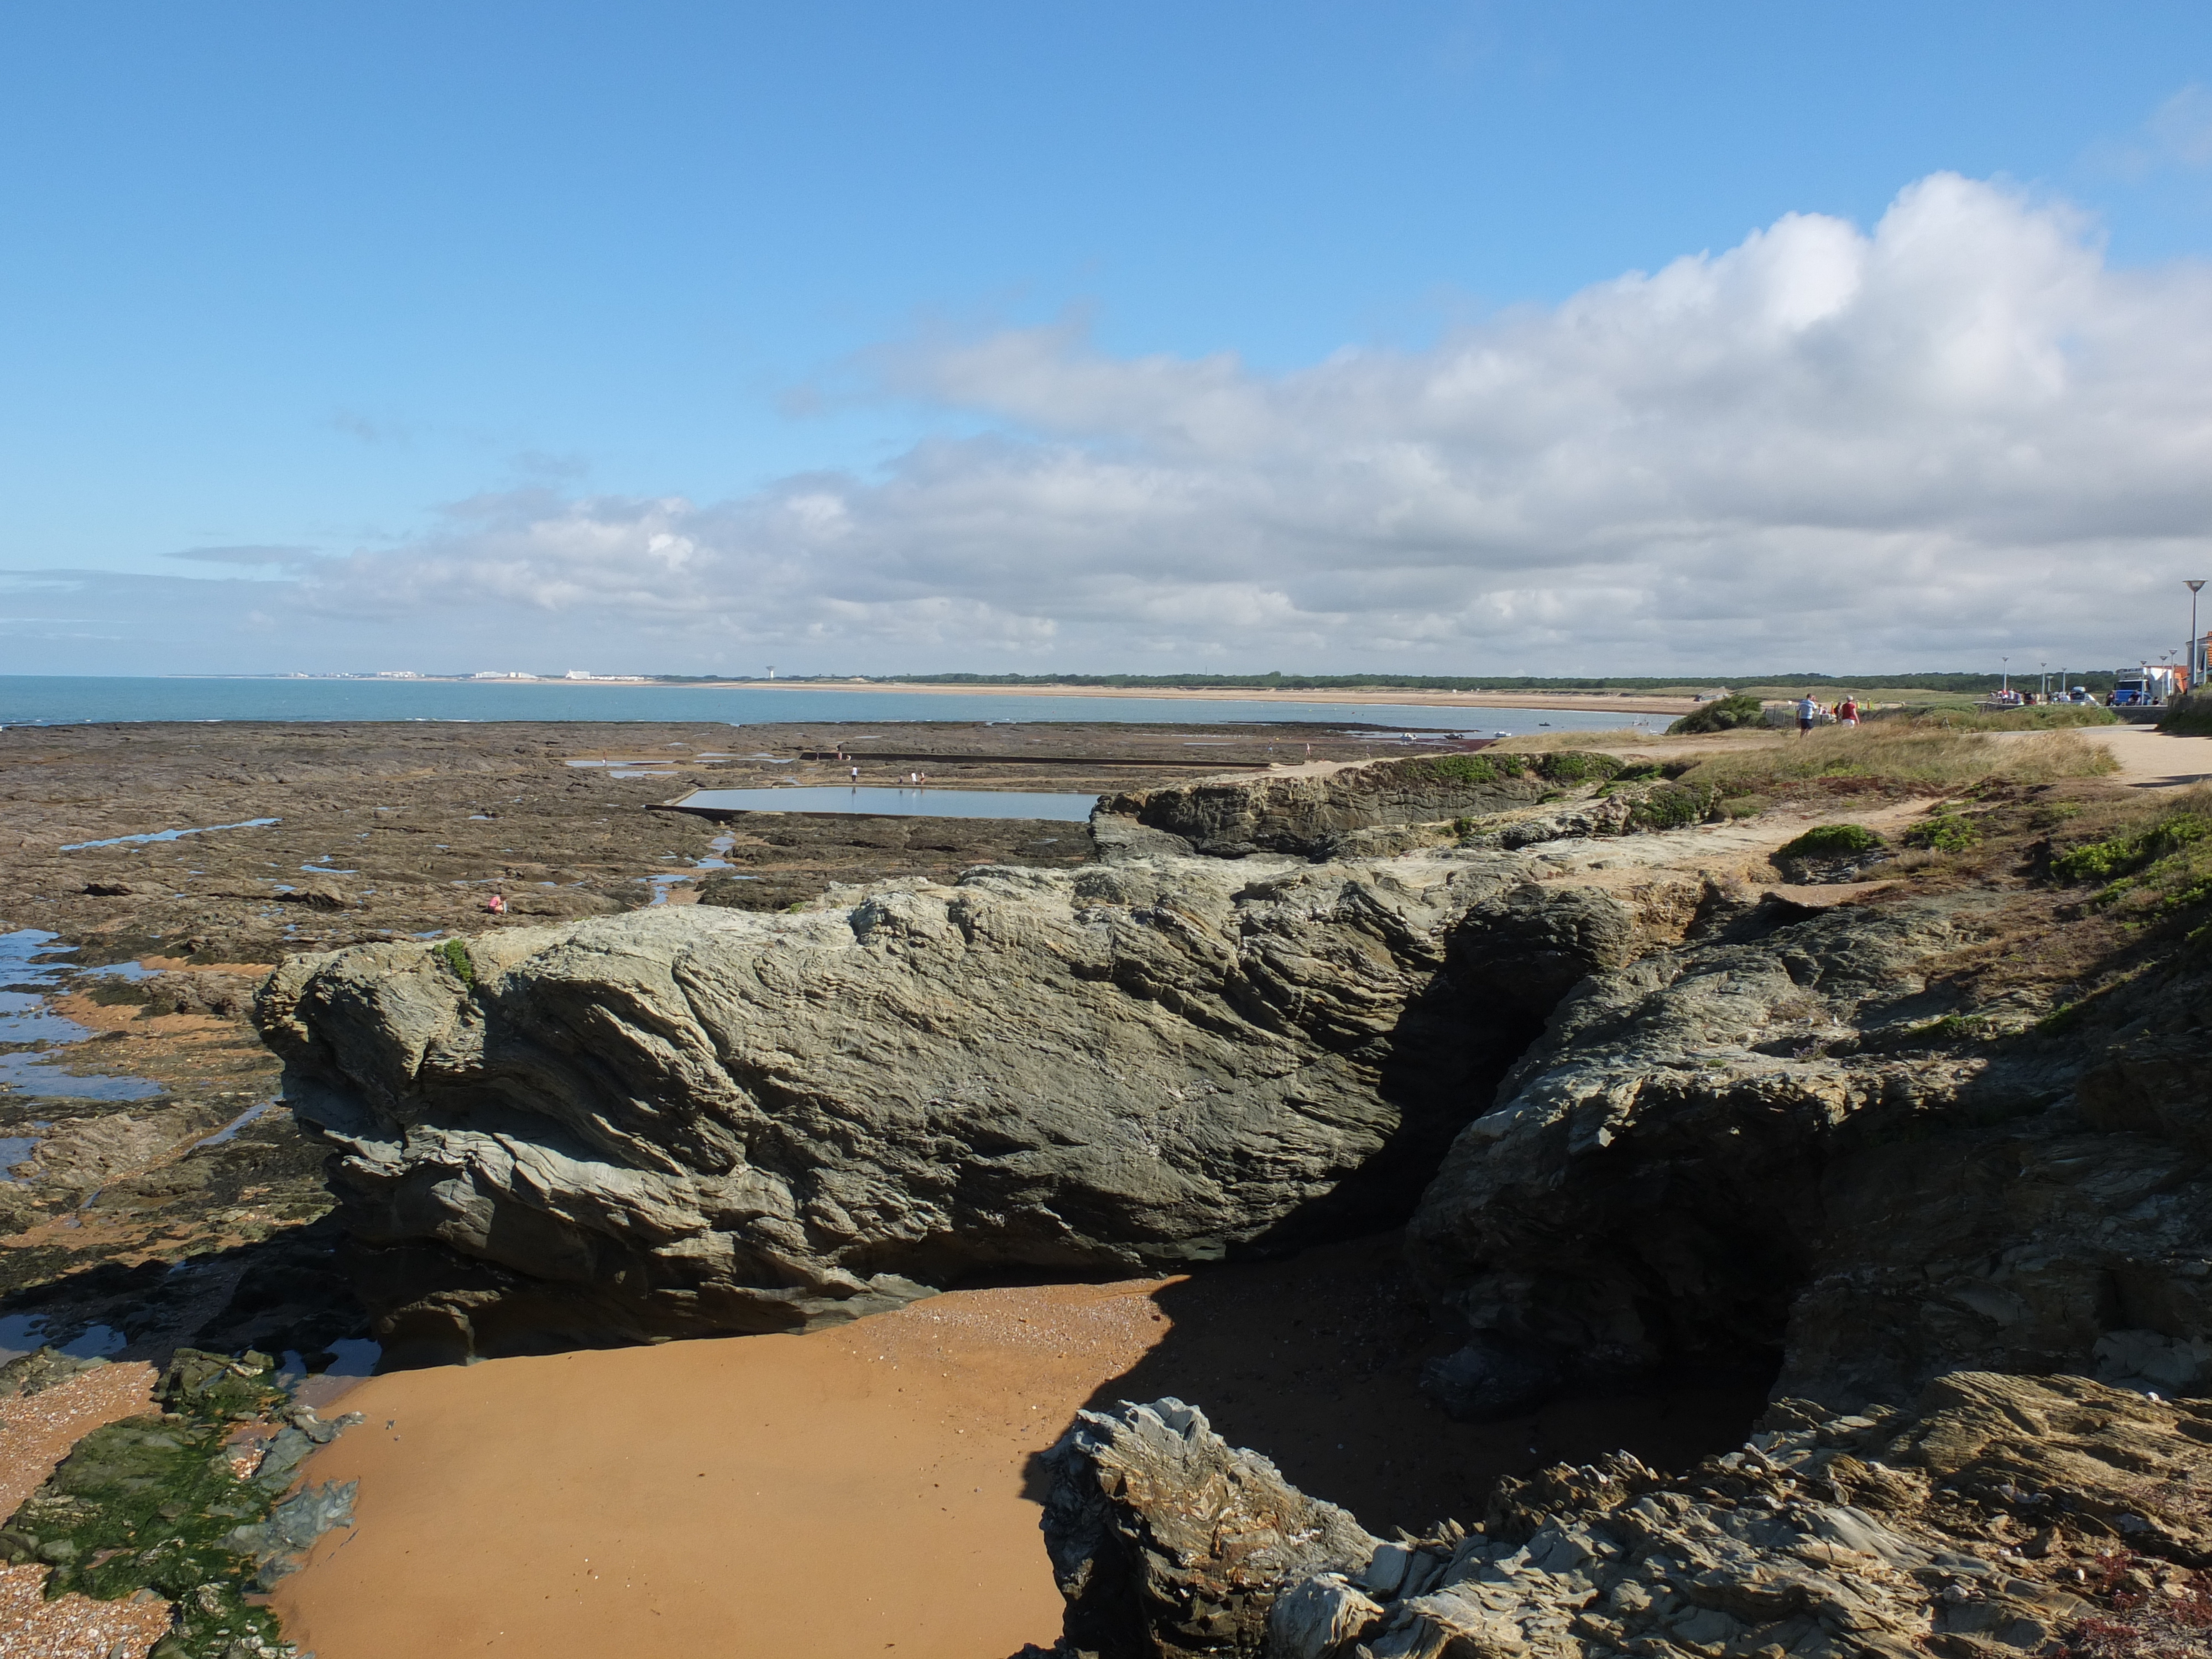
155, 1502
1832, 841
1472, 769
2125, 853
2190, 714
1566, 766
1579, 766
454, 953
1732, 713
1673, 807
1944, 831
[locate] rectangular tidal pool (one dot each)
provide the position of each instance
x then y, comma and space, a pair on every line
874, 801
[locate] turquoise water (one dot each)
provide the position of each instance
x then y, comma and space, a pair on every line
27, 699
874, 802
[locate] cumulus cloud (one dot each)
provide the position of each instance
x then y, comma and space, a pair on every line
1958, 433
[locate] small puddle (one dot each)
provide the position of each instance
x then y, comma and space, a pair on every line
873, 801
15, 1150
666, 879
26, 964
21, 1334
229, 1131
169, 835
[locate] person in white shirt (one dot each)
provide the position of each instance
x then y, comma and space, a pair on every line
1808, 712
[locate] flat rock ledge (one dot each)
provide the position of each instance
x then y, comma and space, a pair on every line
1999, 1515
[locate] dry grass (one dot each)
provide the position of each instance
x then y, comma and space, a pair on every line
1546, 743
2037, 717
1912, 760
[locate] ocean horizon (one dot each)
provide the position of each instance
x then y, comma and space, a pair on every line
59, 700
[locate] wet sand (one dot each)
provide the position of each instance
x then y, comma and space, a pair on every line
872, 1489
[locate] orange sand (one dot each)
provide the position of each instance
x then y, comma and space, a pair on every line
870, 1490
855, 1491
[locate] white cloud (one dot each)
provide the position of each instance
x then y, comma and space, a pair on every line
1959, 434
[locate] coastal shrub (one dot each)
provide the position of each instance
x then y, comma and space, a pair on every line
1671, 807
1732, 713
1944, 832
2150, 861
2124, 855
454, 953
1832, 841
1579, 766
1487, 768
2190, 715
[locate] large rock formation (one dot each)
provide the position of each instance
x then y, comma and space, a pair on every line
1320, 815
2001, 1515
1789, 1142
692, 1120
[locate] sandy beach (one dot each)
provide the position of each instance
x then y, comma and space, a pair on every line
872, 1488
1631, 703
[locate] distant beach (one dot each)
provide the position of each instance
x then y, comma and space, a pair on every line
1632, 702
31, 700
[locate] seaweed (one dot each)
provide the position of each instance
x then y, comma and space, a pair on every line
181, 1505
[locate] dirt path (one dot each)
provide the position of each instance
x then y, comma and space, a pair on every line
2154, 759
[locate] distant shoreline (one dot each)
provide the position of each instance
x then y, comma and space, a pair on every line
1629, 702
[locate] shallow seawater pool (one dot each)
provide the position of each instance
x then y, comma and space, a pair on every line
874, 801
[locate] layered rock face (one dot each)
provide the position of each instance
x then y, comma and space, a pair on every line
685, 1121
1994, 1517
1779, 1139
1316, 816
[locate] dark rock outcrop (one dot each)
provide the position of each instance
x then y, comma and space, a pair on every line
1165, 1539
689, 1121
1783, 1148
2001, 1515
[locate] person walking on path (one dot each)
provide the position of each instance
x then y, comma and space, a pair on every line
856, 775
1808, 711
1847, 712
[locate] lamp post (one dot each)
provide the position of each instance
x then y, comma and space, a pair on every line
2043, 682
2194, 650
2005, 678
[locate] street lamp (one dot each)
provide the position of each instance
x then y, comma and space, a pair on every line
2196, 671
2043, 682
2005, 677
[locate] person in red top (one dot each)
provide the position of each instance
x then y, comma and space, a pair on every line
1847, 711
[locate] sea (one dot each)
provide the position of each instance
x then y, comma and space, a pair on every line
42, 700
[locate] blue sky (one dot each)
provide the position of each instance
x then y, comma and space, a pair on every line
410, 294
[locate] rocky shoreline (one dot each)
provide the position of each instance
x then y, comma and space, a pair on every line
1917, 1138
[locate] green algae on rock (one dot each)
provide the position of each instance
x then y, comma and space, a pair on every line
188, 1505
